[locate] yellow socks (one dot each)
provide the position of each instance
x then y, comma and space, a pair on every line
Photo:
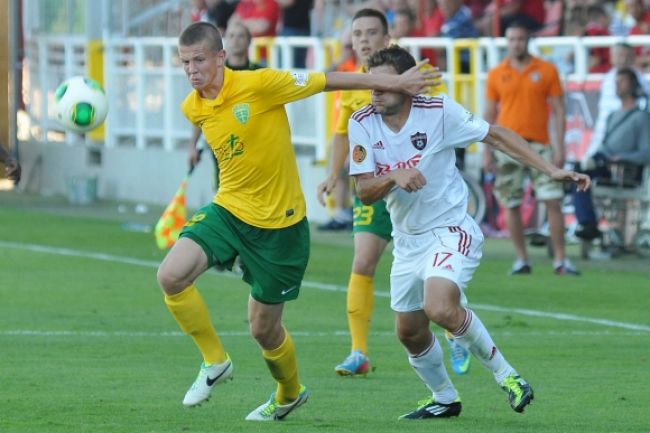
360, 299
191, 313
284, 369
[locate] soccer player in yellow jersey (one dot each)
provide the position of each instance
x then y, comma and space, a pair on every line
258, 212
371, 224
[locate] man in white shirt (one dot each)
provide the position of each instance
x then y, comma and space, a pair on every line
402, 150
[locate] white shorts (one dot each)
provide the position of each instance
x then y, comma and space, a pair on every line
453, 253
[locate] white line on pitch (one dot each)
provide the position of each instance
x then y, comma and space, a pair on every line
324, 286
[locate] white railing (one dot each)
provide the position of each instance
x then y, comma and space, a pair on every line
146, 84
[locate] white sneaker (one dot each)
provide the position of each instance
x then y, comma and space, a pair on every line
208, 377
274, 411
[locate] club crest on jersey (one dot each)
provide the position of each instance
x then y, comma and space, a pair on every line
300, 78
419, 140
358, 154
242, 113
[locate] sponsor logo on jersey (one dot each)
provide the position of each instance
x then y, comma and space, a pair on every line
419, 140
382, 169
378, 145
300, 78
358, 154
242, 112
231, 148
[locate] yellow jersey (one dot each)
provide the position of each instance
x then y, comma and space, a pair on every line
352, 100
246, 127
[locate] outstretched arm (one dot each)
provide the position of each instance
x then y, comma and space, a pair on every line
414, 81
507, 141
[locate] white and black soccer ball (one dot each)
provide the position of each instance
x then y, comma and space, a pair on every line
80, 104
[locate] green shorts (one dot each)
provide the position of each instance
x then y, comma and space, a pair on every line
273, 260
374, 219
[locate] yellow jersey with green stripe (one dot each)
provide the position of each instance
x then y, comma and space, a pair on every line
352, 100
247, 128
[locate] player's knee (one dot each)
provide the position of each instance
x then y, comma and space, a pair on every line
364, 264
442, 314
167, 281
268, 337
408, 335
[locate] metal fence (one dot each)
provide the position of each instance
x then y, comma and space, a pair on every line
146, 84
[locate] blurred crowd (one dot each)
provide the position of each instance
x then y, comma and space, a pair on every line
440, 18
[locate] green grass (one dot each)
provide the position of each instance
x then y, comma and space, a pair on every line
87, 345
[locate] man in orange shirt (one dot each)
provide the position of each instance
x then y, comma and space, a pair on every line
519, 91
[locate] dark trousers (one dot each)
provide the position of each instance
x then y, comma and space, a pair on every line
583, 201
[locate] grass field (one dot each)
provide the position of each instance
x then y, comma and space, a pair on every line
87, 345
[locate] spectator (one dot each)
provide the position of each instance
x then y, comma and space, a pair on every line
260, 16
518, 92
432, 18
199, 11
597, 25
529, 13
457, 24
641, 17
403, 25
626, 140
622, 56
220, 11
296, 22
638, 10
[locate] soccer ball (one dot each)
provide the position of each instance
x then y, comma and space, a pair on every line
80, 104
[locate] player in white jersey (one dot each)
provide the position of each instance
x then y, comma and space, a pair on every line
402, 150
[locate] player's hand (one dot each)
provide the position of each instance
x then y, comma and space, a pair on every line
409, 179
195, 156
582, 181
324, 189
12, 170
419, 78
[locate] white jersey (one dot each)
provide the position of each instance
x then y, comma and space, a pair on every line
435, 126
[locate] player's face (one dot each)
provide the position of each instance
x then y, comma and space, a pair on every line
367, 37
201, 64
236, 40
386, 103
517, 41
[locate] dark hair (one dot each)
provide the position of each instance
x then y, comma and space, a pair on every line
368, 12
518, 24
199, 32
394, 56
637, 90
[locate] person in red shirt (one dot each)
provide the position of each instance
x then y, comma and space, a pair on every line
641, 15
597, 26
260, 16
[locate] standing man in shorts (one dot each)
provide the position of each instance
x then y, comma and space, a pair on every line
437, 245
371, 223
258, 212
519, 91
